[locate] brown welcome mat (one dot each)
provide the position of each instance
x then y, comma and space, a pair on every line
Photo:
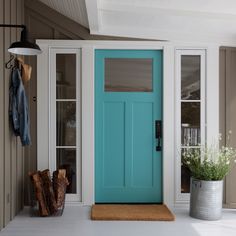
131, 212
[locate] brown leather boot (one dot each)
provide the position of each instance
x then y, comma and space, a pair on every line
48, 190
60, 183
39, 193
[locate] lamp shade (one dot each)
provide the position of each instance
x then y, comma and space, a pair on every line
24, 47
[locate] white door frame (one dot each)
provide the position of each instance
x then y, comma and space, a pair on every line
88, 105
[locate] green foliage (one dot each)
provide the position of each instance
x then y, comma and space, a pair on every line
210, 163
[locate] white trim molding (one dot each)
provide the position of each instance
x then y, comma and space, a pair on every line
87, 107
93, 15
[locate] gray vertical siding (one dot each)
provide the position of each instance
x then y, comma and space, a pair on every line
1, 120
11, 152
228, 115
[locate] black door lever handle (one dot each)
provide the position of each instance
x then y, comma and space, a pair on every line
158, 129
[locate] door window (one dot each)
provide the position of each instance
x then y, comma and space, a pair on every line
190, 112
65, 118
128, 75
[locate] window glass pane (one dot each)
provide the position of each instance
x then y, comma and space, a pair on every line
185, 174
190, 123
66, 124
66, 159
190, 77
128, 75
66, 76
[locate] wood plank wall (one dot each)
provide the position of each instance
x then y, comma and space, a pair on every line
228, 115
11, 151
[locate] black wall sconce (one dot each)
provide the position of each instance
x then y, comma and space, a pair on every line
23, 47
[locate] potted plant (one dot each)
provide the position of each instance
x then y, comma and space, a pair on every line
208, 167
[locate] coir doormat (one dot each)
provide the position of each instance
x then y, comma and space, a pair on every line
153, 212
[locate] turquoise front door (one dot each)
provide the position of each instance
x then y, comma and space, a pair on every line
128, 114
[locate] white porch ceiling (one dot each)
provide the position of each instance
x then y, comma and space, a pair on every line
189, 20
182, 20
73, 9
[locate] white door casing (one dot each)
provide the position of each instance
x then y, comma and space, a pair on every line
87, 106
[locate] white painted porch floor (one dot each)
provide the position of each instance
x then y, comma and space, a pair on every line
76, 222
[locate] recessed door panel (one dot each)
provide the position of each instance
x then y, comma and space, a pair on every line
114, 144
142, 158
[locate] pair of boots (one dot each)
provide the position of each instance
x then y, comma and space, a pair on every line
50, 196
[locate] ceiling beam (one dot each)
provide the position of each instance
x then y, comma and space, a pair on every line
94, 18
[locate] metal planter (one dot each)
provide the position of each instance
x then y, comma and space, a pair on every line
206, 199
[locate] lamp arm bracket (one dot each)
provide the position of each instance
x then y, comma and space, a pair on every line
12, 26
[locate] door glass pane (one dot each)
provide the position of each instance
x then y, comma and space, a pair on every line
128, 75
66, 123
66, 159
66, 76
190, 123
185, 173
190, 77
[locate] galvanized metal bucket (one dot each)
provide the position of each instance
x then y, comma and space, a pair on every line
206, 199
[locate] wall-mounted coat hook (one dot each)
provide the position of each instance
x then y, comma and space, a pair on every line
8, 64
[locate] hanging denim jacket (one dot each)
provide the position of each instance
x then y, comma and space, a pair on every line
18, 108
